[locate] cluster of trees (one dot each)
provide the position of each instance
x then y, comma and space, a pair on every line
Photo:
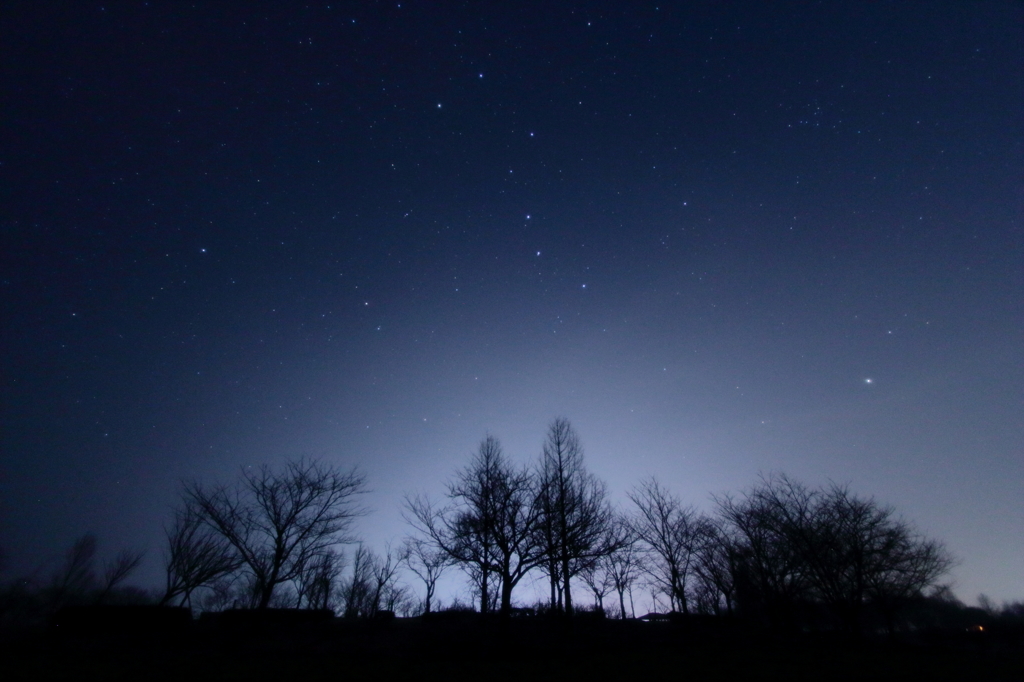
775, 553
77, 580
782, 553
779, 553
272, 539
503, 520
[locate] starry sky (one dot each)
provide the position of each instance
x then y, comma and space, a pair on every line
720, 238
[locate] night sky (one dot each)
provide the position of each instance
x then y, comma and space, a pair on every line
720, 238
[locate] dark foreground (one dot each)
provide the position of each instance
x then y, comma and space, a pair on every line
472, 649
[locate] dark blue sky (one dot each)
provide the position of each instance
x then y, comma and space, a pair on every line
721, 239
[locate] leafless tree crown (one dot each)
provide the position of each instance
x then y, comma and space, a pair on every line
281, 523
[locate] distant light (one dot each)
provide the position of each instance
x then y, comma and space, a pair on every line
869, 381
438, 105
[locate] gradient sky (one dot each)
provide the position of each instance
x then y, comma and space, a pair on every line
722, 239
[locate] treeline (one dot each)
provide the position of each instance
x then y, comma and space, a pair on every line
780, 554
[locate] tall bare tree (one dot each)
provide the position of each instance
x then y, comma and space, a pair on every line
357, 590
385, 573
490, 525
625, 563
771, 577
278, 521
576, 518
77, 575
669, 532
427, 561
716, 566
317, 582
196, 556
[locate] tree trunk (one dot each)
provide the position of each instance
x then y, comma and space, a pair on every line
483, 591
565, 578
506, 596
553, 576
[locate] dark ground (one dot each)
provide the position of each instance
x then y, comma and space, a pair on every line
534, 649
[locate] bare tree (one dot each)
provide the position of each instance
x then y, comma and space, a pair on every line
625, 562
385, 572
829, 546
372, 587
715, 566
771, 577
490, 526
118, 570
357, 590
277, 522
77, 576
427, 561
669, 532
861, 551
575, 515
76, 582
597, 575
317, 581
196, 556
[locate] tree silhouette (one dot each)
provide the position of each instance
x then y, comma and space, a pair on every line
427, 562
77, 575
576, 519
797, 543
715, 566
317, 580
76, 582
118, 570
384, 571
277, 522
357, 589
490, 525
625, 562
669, 531
195, 557
598, 577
